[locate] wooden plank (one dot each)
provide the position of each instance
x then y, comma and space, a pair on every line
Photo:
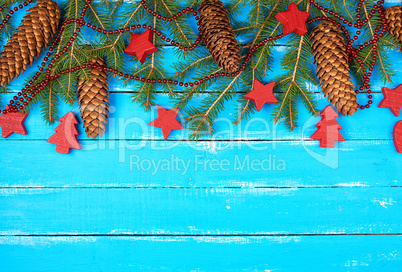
216, 164
171, 58
201, 211
322, 253
129, 121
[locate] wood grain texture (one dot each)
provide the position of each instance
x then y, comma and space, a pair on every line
201, 211
129, 121
190, 164
291, 254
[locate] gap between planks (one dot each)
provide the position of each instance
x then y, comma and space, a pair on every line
189, 188
203, 140
203, 235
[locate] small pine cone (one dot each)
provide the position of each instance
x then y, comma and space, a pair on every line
329, 49
93, 97
217, 33
38, 27
394, 21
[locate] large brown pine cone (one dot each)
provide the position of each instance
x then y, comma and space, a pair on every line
329, 49
38, 27
394, 21
93, 96
217, 33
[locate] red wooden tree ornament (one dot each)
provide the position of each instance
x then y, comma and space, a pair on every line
262, 94
13, 122
328, 128
141, 45
293, 20
397, 135
392, 99
66, 134
166, 121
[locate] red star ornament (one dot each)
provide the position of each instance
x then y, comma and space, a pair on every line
166, 121
13, 122
262, 94
293, 20
392, 99
141, 45
397, 135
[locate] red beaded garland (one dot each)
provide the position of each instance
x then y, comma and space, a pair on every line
352, 52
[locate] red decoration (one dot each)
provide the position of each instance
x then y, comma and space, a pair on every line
262, 94
66, 134
328, 128
293, 20
13, 122
392, 99
141, 45
166, 121
397, 135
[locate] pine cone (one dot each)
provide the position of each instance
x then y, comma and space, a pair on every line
93, 97
38, 27
329, 49
217, 33
394, 21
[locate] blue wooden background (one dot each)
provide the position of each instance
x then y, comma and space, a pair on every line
252, 198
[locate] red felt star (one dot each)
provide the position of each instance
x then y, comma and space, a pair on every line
166, 121
293, 20
261, 94
392, 99
397, 135
13, 122
141, 45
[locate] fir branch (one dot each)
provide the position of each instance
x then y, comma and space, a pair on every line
115, 44
297, 65
246, 108
199, 122
385, 67
182, 99
186, 69
8, 29
194, 3
368, 33
181, 32
154, 68
114, 9
186, 98
3, 90
49, 104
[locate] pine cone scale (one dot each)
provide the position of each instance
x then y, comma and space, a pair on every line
217, 33
393, 15
93, 96
329, 49
38, 26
